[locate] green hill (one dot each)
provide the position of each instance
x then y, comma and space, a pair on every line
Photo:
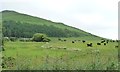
22, 25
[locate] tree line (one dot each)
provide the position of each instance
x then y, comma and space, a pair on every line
27, 30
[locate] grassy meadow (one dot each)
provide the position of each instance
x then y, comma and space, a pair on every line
60, 55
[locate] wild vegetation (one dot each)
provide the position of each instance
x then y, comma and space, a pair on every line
60, 55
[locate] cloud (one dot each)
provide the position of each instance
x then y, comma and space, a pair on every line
89, 18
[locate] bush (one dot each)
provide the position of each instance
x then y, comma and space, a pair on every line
13, 39
39, 37
46, 40
6, 39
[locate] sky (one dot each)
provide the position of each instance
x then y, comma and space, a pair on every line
99, 17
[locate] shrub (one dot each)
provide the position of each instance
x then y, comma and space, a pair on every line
46, 40
13, 39
39, 37
6, 39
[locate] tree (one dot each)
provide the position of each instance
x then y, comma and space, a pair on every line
39, 37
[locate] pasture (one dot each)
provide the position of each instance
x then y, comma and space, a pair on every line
60, 55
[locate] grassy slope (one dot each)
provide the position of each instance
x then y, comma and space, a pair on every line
15, 16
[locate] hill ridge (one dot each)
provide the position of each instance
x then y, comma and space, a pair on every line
10, 15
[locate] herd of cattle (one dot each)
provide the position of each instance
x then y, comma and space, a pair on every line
102, 42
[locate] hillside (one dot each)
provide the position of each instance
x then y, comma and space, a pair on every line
22, 25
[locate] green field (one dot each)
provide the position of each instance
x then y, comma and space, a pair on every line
60, 55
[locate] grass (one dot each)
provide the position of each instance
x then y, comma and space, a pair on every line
57, 55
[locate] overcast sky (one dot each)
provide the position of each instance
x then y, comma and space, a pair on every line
99, 17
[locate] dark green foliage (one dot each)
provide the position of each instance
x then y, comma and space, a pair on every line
38, 37
26, 30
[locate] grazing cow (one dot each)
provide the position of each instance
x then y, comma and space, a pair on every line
83, 41
107, 42
113, 41
102, 39
65, 40
104, 43
116, 46
73, 42
98, 43
59, 39
110, 40
117, 41
65, 48
89, 45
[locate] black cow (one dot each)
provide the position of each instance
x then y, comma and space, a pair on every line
117, 41
107, 42
102, 39
64, 48
98, 43
73, 42
104, 43
59, 39
83, 41
116, 46
111, 41
89, 45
